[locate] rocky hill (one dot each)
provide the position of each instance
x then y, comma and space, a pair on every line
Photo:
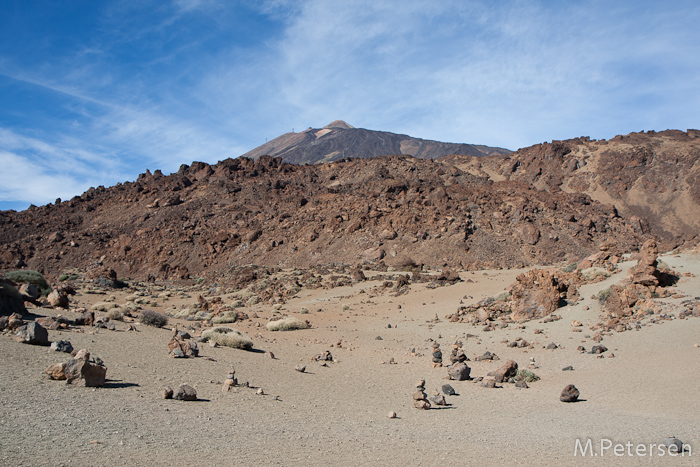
338, 140
652, 178
396, 211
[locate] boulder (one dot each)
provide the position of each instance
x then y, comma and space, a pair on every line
459, 371
29, 292
33, 333
508, 370
79, 369
167, 393
185, 392
180, 348
62, 346
58, 298
94, 375
528, 233
87, 319
11, 300
569, 394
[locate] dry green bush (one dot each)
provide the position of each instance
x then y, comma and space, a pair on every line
228, 337
289, 323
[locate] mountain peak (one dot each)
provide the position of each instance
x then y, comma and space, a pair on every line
339, 124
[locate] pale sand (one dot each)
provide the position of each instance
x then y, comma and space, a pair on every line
337, 415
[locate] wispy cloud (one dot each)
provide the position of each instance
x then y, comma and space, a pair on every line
122, 87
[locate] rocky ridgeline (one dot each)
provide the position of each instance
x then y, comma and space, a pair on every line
390, 211
652, 178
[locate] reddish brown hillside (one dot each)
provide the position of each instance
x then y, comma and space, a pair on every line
651, 178
397, 209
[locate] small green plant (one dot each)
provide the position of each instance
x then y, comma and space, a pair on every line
153, 318
304, 311
346, 308
228, 337
68, 277
603, 295
527, 376
570, 267
200, 280
26, 276
289, 323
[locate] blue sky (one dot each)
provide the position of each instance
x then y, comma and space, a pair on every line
94, 93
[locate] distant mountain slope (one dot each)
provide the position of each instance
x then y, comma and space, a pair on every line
338, 140
652, 178
206, 219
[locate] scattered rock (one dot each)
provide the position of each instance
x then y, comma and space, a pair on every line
180, 348
569, 394
488, 383
79, 368
167, 393
185, 392
86, 319
568, 368
29, 292
508, 370
62, 346
33, 333
521, 384
674, 445
58, 298
300, 368
459, 371
598, 349
448, 390
392, 414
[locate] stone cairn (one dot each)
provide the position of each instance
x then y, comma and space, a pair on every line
230, 381
420, 398
437, 355
458, 355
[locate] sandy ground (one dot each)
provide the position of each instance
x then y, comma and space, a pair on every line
337, 415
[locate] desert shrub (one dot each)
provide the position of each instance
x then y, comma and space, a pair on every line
289, 323
26, 276
502, 297
304, 311
527, 376
603, 295
228, 337
592, 274
68, 277
346, 307
115, 314
104, 306
153, 318
570, 267
229, 317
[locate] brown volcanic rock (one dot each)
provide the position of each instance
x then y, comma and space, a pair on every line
652, 178
644, 281
537, 293
271, 213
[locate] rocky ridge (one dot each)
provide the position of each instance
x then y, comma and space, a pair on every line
388, 211
651, 178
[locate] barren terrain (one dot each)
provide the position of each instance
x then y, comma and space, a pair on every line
642, 391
